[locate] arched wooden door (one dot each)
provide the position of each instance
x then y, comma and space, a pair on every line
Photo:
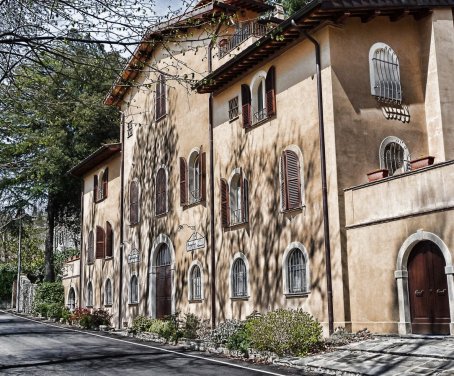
163, 282
428, 290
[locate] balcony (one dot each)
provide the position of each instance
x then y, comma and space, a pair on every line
412, 193
242, 32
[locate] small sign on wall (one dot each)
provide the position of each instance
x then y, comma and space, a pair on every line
196, 241
134, 256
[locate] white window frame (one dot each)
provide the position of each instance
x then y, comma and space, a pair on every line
259, 78
131, 301
406, 155
193, 177
239, 255
107, 301
71, 305
191, 298
285, 276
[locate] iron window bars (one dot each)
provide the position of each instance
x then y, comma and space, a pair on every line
239, 279
296, 272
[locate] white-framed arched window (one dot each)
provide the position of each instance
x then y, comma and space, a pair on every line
291, 178
100, 184
234, 199
195, 281
108, 292
90, 294
71, 299
384, 72
296, 271
134, 290
394, 155
239, 277
161, 199
194, 177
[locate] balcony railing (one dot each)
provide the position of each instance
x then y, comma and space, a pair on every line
260, 115
242, 32
236, 217
195, 196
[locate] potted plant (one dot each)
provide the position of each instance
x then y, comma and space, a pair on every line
377, 174
422, 161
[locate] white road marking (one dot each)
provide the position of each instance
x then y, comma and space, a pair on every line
151, 347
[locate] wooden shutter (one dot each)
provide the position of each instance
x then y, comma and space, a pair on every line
91, 248
158, 99
109, 240
183, 182
225, 206
95, 188
293, 181
246, 105
161, 194
270, 92
283, 185
245, 199
163, 95
133, 202
105, 181
203, 177
100, 242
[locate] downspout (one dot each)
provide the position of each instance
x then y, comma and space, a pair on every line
120, 285
212, 229
321, 125
81, 263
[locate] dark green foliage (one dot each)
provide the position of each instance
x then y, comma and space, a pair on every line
50, 292
224, 331
191, 326
100, 317
285, 332
7, 276
141, 324
240, 340
292, 6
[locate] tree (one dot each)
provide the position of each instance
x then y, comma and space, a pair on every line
292, 6
51, 117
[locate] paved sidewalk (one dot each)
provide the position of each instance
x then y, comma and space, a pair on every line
384, 356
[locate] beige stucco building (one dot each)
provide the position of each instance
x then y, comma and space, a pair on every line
251, 193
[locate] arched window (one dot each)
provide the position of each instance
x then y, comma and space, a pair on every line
134, 290
89, 295
100, 242
109, 240
133, 203
384, 74
100, 184
259, 99
239, 279
160, 104
91, 248
193, 178
108, 292
394, 156
161, 191
71, 299
290, 181
234, 199
195, 283
296, 272
163, 257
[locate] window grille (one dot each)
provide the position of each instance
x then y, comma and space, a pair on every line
163, 257
130, 129
296, 272
196, 283
71, 300
160, 108
393, 158
161, 192
239, 279
385, 74
91, 248
233, 108
89, 295
108, 293
194, 178
134, 296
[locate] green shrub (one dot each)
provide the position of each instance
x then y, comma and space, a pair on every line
86, 321
54, 310
156, 326
284, 332
141, 324
66, 315
191, 326
240, 340
50, 292
171, 328
41, 309
80, 314
224, 331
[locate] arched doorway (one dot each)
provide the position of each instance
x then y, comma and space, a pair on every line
163, 282
428, 290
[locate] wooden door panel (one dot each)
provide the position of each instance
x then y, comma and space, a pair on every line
163, 291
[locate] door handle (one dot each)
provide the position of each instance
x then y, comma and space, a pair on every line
419, 292
441, 292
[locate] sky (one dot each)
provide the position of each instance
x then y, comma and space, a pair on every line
162, 6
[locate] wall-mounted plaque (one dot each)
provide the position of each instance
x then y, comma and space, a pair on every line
134, 256
196, 241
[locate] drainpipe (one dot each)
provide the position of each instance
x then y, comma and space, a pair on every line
120, 285
321, 125
212, 229
81, 262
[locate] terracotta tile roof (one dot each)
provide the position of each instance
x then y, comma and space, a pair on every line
95, 158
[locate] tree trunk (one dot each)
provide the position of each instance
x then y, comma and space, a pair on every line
49, 273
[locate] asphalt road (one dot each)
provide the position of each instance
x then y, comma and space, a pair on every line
35, 348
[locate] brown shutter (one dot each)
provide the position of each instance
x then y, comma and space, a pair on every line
270, 92
293, 179
95, 188
245, 199
203, 177
283, 186
133, 203
100, 242
109, 240
246, 105
91, 248
163, 95
158, 99
161, 194
183, 182
225, 206
105, 182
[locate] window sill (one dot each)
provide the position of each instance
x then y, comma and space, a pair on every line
161, 215
101, 200
236, 226
255, 125
133, 224
90, 263
161, 118
234, 118
192, 204
108, 305
89, 306
297, 295
108, 258
239, 298
299, 208
195, 301
133, 304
